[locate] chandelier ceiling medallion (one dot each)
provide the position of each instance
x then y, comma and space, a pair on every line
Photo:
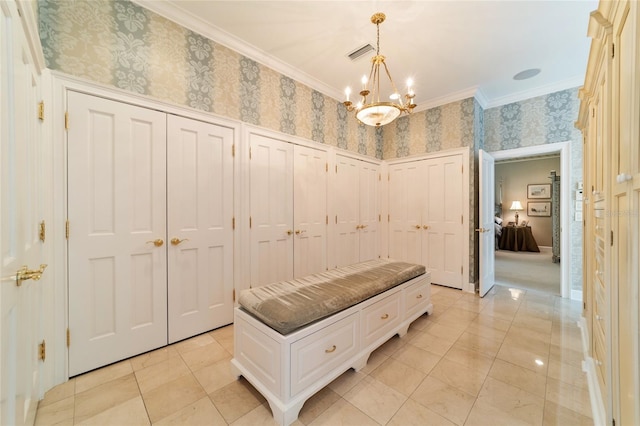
370, 110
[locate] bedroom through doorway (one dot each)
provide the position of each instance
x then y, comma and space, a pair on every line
527, 222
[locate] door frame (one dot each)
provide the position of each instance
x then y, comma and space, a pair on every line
564, 148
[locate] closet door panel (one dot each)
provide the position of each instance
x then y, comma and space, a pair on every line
271, 210
369, 211
200, 211
443, 217
117, 208
310, 211
346, 206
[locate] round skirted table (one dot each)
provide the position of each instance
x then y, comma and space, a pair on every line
518, 238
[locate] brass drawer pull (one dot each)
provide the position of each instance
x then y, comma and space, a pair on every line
419, 296
385, 316
333, 349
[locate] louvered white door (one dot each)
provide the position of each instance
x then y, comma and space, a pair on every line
346, 205
22, 204
200, 233
117, 216
368, 211
271, 210
442, 220
310, 211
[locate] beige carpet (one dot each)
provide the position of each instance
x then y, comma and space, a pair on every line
528, 270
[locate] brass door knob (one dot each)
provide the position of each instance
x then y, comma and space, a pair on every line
24, 274
158, 243
299, 232
418, 226
289, 232
425, 227
175, 241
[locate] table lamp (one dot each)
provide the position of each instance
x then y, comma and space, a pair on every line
516, 205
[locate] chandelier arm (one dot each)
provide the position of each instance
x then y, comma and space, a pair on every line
393, 85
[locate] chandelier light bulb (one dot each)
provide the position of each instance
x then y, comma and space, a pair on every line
347, 92
364, 82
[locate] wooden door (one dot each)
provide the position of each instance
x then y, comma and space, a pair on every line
200, 228
21, 212
406, 205
442, 220
368, 211
346, 202
271, 210
117, 226
309, 211
625, 179
486, 233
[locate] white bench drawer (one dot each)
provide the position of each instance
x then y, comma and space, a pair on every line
417, 296
314, 356
380, 318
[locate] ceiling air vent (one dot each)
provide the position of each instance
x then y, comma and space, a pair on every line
361, 51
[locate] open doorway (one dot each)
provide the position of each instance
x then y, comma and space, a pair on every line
563, 150
527, 223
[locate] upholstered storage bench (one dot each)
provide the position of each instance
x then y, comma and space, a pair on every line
293, 338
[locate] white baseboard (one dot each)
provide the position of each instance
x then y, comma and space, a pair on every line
589, 367
576, 295
469, 287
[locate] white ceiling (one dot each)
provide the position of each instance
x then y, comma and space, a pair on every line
452, 49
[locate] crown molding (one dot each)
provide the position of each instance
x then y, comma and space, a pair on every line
447, 99
174, 13
569, 83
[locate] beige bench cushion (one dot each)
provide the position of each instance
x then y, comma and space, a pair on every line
288, 305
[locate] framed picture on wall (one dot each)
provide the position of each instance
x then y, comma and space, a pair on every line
539, 190
539, 208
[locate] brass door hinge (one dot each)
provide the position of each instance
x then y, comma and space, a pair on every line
68, 338
234, 294
249, 153
611, 238
336, 168
41, 110
379, 218
326, 167
379, 176
66, 120
327, 219
613, 50
233, 223
66, 229
388, 218
43, 231
233, 150
250, 222
461, 269
462, 218
42, 351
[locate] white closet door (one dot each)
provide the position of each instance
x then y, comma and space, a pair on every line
443, 219
116, 210
368, 211
22, 200
200, 233
397, 211
310, 211
406, 203
271, 217
346, 203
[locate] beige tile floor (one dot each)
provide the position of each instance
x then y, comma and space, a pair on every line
510, 358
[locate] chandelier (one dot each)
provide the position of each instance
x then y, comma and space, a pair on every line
370, 110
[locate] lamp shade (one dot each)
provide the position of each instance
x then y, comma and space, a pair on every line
516, 205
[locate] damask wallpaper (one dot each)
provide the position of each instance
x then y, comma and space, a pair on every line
118, 43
